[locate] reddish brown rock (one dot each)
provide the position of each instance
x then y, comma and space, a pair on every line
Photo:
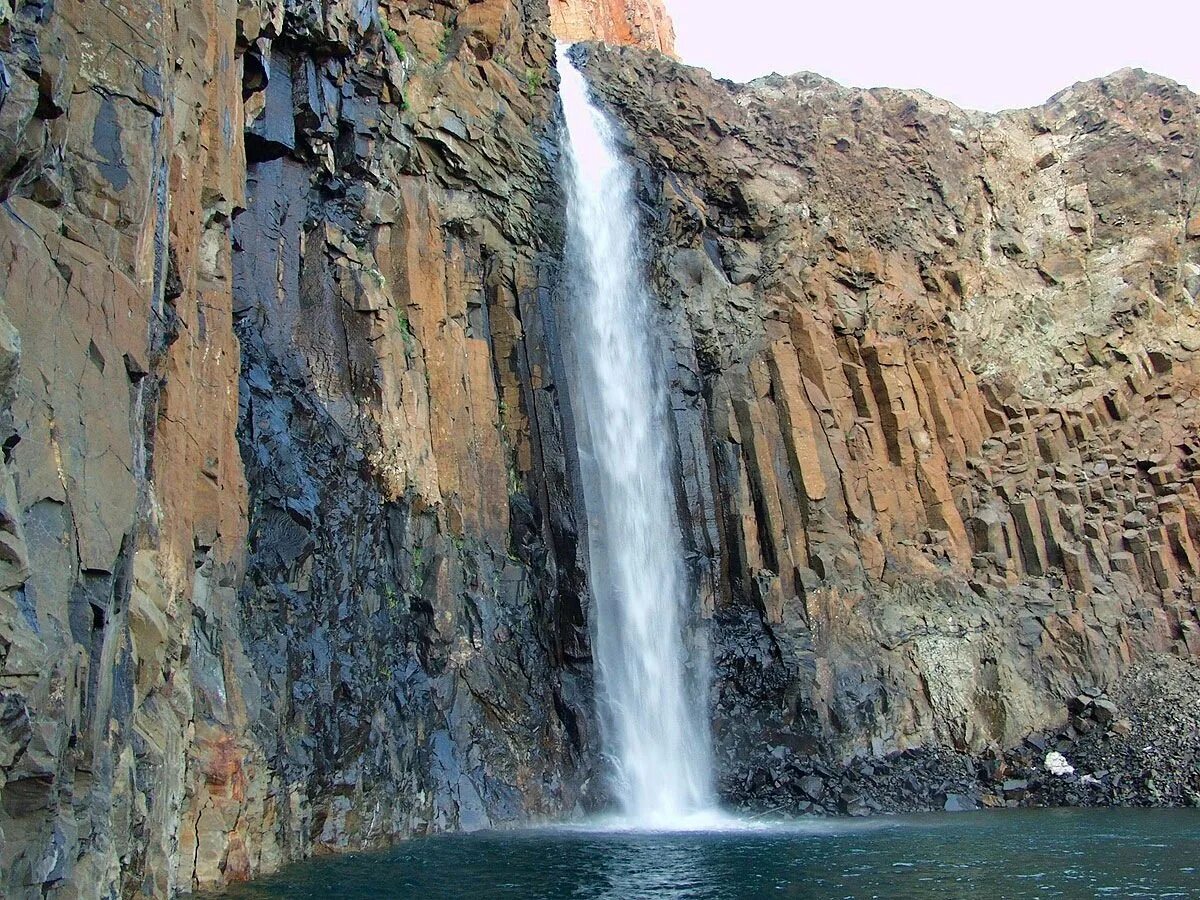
273, 381
639, 23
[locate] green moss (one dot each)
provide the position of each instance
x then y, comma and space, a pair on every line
394, 40
533, 81
393, 599
418, 564
406, 334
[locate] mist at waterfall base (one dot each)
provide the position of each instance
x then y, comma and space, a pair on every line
652, 704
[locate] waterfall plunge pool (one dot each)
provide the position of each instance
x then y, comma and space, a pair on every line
1071, 853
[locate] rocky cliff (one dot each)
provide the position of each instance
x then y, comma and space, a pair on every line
639, 23
290, 545
289, 565
934, 379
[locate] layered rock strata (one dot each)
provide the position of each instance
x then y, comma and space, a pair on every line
934, 379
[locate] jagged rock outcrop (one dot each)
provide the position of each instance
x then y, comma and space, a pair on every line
640, 23
935, 384
290, 563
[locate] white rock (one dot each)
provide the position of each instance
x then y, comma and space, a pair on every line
1056, 764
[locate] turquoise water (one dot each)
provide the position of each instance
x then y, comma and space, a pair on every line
1035, 853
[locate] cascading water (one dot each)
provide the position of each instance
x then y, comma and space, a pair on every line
652, 712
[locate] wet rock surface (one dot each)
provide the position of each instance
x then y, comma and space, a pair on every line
401, 437
934, 384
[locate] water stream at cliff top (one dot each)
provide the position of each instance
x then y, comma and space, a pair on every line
652, 708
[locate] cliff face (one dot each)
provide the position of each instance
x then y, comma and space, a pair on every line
412, 599
638, 23
412, 595
289, 555
934, 380
289, 563
125, 510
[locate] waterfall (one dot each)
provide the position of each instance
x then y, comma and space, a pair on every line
653, 712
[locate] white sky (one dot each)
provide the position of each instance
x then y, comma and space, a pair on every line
981, 54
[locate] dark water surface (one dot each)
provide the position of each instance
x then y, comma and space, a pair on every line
1042, 853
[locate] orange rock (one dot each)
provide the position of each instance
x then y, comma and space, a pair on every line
642, 23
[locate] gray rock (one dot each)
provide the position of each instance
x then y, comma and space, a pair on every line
960, 803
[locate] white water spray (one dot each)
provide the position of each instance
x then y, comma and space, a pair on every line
652, 713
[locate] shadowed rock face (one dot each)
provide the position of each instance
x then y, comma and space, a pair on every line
290, 561
394, 274
936, 396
